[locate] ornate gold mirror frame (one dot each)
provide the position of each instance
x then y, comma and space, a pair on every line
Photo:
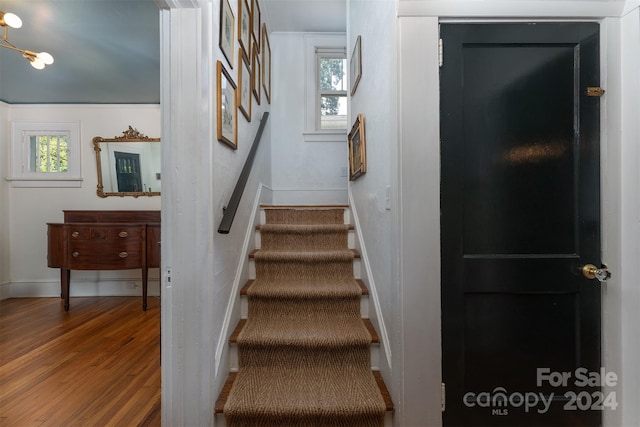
140, 159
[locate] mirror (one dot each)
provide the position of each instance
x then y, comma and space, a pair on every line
128, 165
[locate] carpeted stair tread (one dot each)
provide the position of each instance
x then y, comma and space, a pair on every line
288, 289
304, 237
334, 391
322, 331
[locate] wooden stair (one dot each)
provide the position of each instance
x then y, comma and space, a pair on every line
375, 345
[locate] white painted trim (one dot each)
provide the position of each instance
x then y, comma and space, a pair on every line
233, 305
368, 279
5, 290
511, 9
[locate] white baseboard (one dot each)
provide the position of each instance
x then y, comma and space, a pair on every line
80, 288
5, 290
375, 311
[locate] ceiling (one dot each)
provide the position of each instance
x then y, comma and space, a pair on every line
108, 51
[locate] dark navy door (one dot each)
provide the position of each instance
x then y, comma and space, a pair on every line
520, 203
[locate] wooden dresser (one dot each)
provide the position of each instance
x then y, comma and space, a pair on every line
104, 240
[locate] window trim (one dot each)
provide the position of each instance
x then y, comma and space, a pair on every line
312, 103
20, 147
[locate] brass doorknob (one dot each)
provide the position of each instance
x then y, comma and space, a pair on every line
591, 272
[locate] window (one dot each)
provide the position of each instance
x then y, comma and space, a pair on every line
331, 97
48, 153
325, 88
45, 155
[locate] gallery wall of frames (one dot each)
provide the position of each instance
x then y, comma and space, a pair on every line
246, 73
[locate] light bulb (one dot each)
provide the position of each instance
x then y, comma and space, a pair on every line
37, 64
45, 57
12, 20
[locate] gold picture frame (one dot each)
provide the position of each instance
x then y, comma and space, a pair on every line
244, 29
357, 149
255, 23
227, 107
355, 65
266, 63
244, 86
227, 22
255, 73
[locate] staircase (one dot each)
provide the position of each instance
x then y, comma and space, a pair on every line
304, 352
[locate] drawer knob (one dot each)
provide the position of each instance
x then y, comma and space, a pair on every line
75, 254
75, 234
123, 234
123, 254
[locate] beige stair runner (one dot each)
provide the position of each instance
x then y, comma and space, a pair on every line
304, 357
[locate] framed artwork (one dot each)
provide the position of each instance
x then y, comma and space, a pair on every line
357, 149
266, 63
255, 74
226, 31
226, 104
244, 28
244, 86
355, 66
255, 23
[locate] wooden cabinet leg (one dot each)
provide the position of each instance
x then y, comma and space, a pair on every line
145, 276
65, 280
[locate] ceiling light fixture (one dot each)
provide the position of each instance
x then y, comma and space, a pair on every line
37, 60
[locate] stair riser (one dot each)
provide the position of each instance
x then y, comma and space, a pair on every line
233, 357
351, 240
357, 269
221, 421
244, 307
347, 216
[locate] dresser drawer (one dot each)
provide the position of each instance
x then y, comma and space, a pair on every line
111, 233
106, 255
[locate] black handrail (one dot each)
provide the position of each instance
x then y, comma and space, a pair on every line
234, 201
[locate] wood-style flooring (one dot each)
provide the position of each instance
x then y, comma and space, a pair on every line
96, 365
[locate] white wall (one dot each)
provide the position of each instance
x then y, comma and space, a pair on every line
201, 268
5, 275
27, 210
376, 97
303, 172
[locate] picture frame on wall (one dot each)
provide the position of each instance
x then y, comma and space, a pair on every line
357, 149
244, 28
266, 63
355, 65
255, 74
226, 31
255, 23
244, 86
226, 106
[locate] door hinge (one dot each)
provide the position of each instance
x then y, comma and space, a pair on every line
440, 53
443, 397
595, 91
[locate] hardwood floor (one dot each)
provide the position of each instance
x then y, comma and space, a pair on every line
96, 365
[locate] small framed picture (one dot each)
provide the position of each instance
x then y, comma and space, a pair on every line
357, 149
355, 66
244, 28
226, 31
226, 103
255, 74
244, 86
266, 63
255, 23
